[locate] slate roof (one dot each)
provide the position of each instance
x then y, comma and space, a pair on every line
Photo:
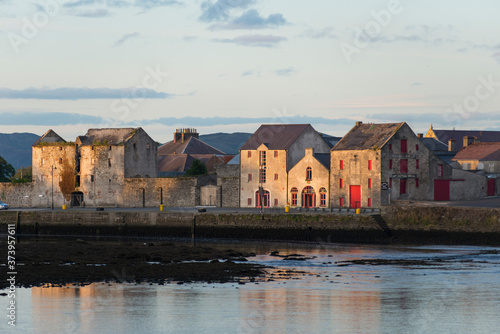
275, 136
182, 162
434, 145
49, 137
367, 136
114, 136
324, 159
190, 146
479, 151
458, 135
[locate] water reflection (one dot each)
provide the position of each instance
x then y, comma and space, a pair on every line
462, 295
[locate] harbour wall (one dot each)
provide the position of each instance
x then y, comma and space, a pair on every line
394, 225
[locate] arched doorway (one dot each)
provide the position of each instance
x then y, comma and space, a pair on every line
76, 199
308, 197
265, 199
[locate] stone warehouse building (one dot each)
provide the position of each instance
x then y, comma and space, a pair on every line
376, 164
266, 159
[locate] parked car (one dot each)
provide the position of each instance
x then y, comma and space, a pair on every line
3, 206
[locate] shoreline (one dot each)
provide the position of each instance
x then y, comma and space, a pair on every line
404, 225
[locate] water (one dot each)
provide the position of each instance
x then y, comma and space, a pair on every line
457, 290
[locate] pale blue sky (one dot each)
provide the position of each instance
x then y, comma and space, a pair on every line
91, 63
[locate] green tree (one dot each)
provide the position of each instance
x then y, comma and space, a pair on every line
197, 168
23, 175
6, 170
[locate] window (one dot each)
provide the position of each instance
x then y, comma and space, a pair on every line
341, 164
341, 201
262, 176
249, 177
147, 146
60, 148
369, 202
275, 154
369, 165
341, 183
275, 202
92, 161
402, 186
249, 201
60, 161
390, 147
91, 178
403, 166
322, 196
135, 146
416, 182
390, 164
416, 147
275, 176
294, 192
249, 155
404, 148
370, 183
309, 174
109, 162
262, 158
417, 164
440, 170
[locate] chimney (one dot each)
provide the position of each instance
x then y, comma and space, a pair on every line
452, 145
468, 140
476, 140
358, 123
184, 134
309, 151
420, 135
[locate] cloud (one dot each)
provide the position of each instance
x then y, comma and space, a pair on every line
416, 84
48, 119
251, 19
219, 10
267, 41
285, 71
126, 37
247, 73
70, 93
101, 12
326, 32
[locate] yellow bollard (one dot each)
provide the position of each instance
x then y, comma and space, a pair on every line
358, 211
287, 207
64, 207
161, 207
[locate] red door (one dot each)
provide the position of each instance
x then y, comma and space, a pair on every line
441, 190
355, 200
402, 186
491, 187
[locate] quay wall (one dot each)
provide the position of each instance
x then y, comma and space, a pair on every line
395, 225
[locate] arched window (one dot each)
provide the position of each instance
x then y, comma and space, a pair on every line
309, 174
322, 196
308, 197
294, 191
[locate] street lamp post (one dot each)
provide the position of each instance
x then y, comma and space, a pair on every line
53, 186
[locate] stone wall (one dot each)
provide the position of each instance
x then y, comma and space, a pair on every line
16, 195
466, 185
177, 192
229, 187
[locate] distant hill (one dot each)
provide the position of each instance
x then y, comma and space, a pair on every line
15, 148
228, 143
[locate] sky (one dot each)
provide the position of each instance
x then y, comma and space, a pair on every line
231, 65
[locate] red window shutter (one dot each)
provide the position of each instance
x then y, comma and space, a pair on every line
390, 147
369, 202
275, 176
341, 201
275, 202
341, 183
416, 182
369, 165
249, 202
249, 154
390, 182
275, 154
416, 147
417, 164
404, 148
402, 186
249, 177
369, 183
341, 164
390, 164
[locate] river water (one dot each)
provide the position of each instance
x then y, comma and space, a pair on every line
431, 289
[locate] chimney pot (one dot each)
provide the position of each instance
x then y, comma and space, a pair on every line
358, 123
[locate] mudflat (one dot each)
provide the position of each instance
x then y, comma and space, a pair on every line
58, 262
